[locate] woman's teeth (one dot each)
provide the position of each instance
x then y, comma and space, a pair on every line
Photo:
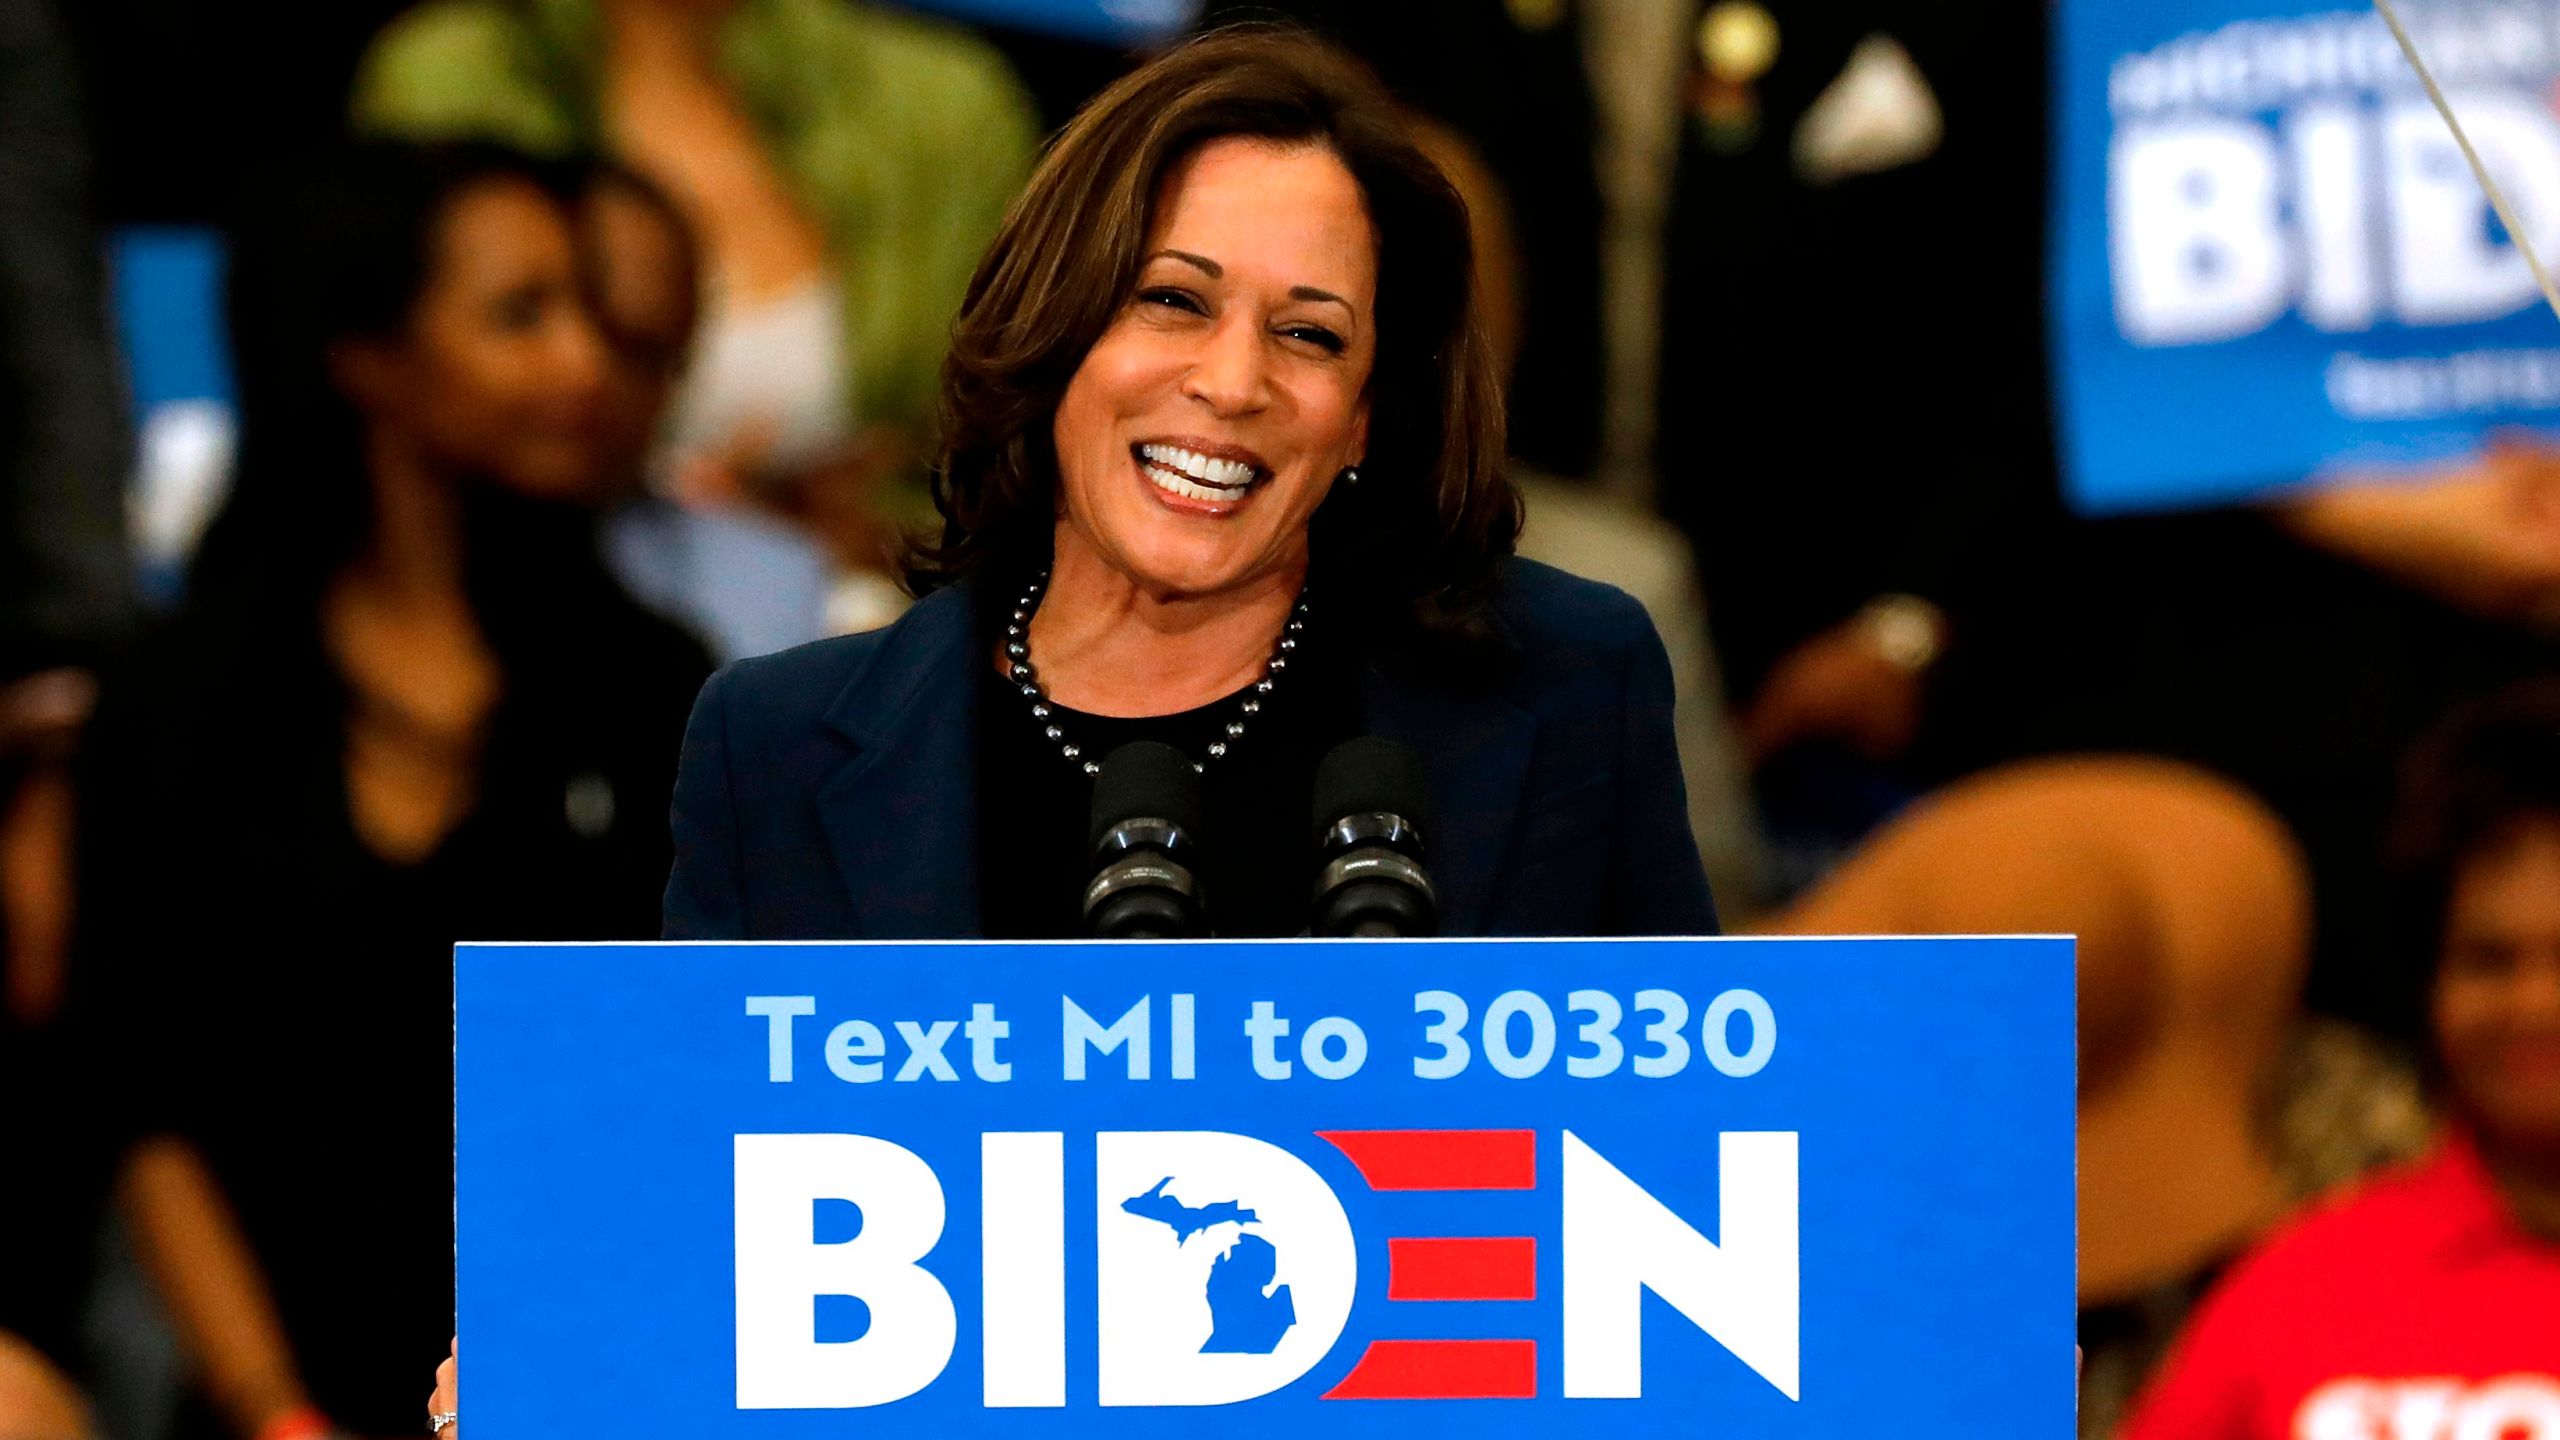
1195, 476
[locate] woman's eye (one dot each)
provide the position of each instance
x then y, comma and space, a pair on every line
1172, 299
517, 309
1317, 336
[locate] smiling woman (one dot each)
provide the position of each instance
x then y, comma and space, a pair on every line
2426, 1300
1231, 388
1238, 246
1220, 468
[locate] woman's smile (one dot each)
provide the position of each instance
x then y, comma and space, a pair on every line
1197, 477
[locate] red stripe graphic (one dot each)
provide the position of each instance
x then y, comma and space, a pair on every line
1491, 1268
1441, 1159
1442, 1370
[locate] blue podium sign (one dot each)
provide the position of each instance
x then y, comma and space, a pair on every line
1774, 1188
2270, 260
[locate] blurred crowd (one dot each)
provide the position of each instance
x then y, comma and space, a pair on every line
581, 345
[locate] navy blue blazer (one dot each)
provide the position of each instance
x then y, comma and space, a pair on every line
828, 792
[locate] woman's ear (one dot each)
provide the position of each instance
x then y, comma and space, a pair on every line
1360, 434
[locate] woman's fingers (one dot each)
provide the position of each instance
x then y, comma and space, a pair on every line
448, 1392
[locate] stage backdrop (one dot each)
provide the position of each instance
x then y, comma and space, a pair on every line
2270, 261
1775, 1188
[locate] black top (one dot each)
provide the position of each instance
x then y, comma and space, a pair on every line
54, 1188
1256, 863
273, 990
831, 791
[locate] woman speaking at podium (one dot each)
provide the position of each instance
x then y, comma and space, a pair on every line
1221, 467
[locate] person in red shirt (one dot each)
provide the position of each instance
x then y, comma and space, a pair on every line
2425, 1304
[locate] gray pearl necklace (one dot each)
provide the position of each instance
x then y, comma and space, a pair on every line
1018, 668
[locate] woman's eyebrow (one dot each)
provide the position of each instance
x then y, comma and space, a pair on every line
1214, 271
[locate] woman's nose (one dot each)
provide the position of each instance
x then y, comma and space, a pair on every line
579, 351
2536, 993
1229, 374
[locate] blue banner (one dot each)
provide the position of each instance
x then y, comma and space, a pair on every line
2271, 262
1106, 22
1775, 1188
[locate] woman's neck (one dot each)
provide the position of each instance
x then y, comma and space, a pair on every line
2530, 1183
413, 561
1105, 645
419, 673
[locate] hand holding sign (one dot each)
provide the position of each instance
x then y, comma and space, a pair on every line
2483, 536
445, 1404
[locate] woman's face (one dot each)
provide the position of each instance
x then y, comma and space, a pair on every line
1207, 424
641, 286
2497, 998
500, 372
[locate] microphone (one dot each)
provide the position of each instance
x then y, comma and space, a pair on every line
1371, 805
1146, 825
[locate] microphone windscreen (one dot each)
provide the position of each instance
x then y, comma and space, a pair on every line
1371, 776
1145, 780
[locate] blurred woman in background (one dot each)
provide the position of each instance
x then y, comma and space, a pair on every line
843, 165
747, 582
404, 704
2427, 1302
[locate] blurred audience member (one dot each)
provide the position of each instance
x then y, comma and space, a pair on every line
1853, 398
2192, 906
64, 584
1851, 409
1580, 528
1857, 436
65, 601
844, 167
2428, 1302
2193, 912
748, 585
405, 703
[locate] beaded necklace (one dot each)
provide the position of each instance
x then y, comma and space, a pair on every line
1018, 668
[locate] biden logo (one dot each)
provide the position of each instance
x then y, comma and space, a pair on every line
1225, 1267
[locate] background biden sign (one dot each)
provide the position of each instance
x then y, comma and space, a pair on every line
2271, 260
1767, 1188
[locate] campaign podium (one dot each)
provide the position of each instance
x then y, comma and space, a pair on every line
1747, 1187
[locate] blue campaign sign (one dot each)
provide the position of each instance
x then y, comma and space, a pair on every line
2270, 260
1775, 1188
1107, 22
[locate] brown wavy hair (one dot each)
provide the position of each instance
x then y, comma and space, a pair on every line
1433, 515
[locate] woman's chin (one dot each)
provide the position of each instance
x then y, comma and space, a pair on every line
1181, 566
1189, 582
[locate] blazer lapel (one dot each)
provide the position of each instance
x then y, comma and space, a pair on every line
1475, 755
901, 816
